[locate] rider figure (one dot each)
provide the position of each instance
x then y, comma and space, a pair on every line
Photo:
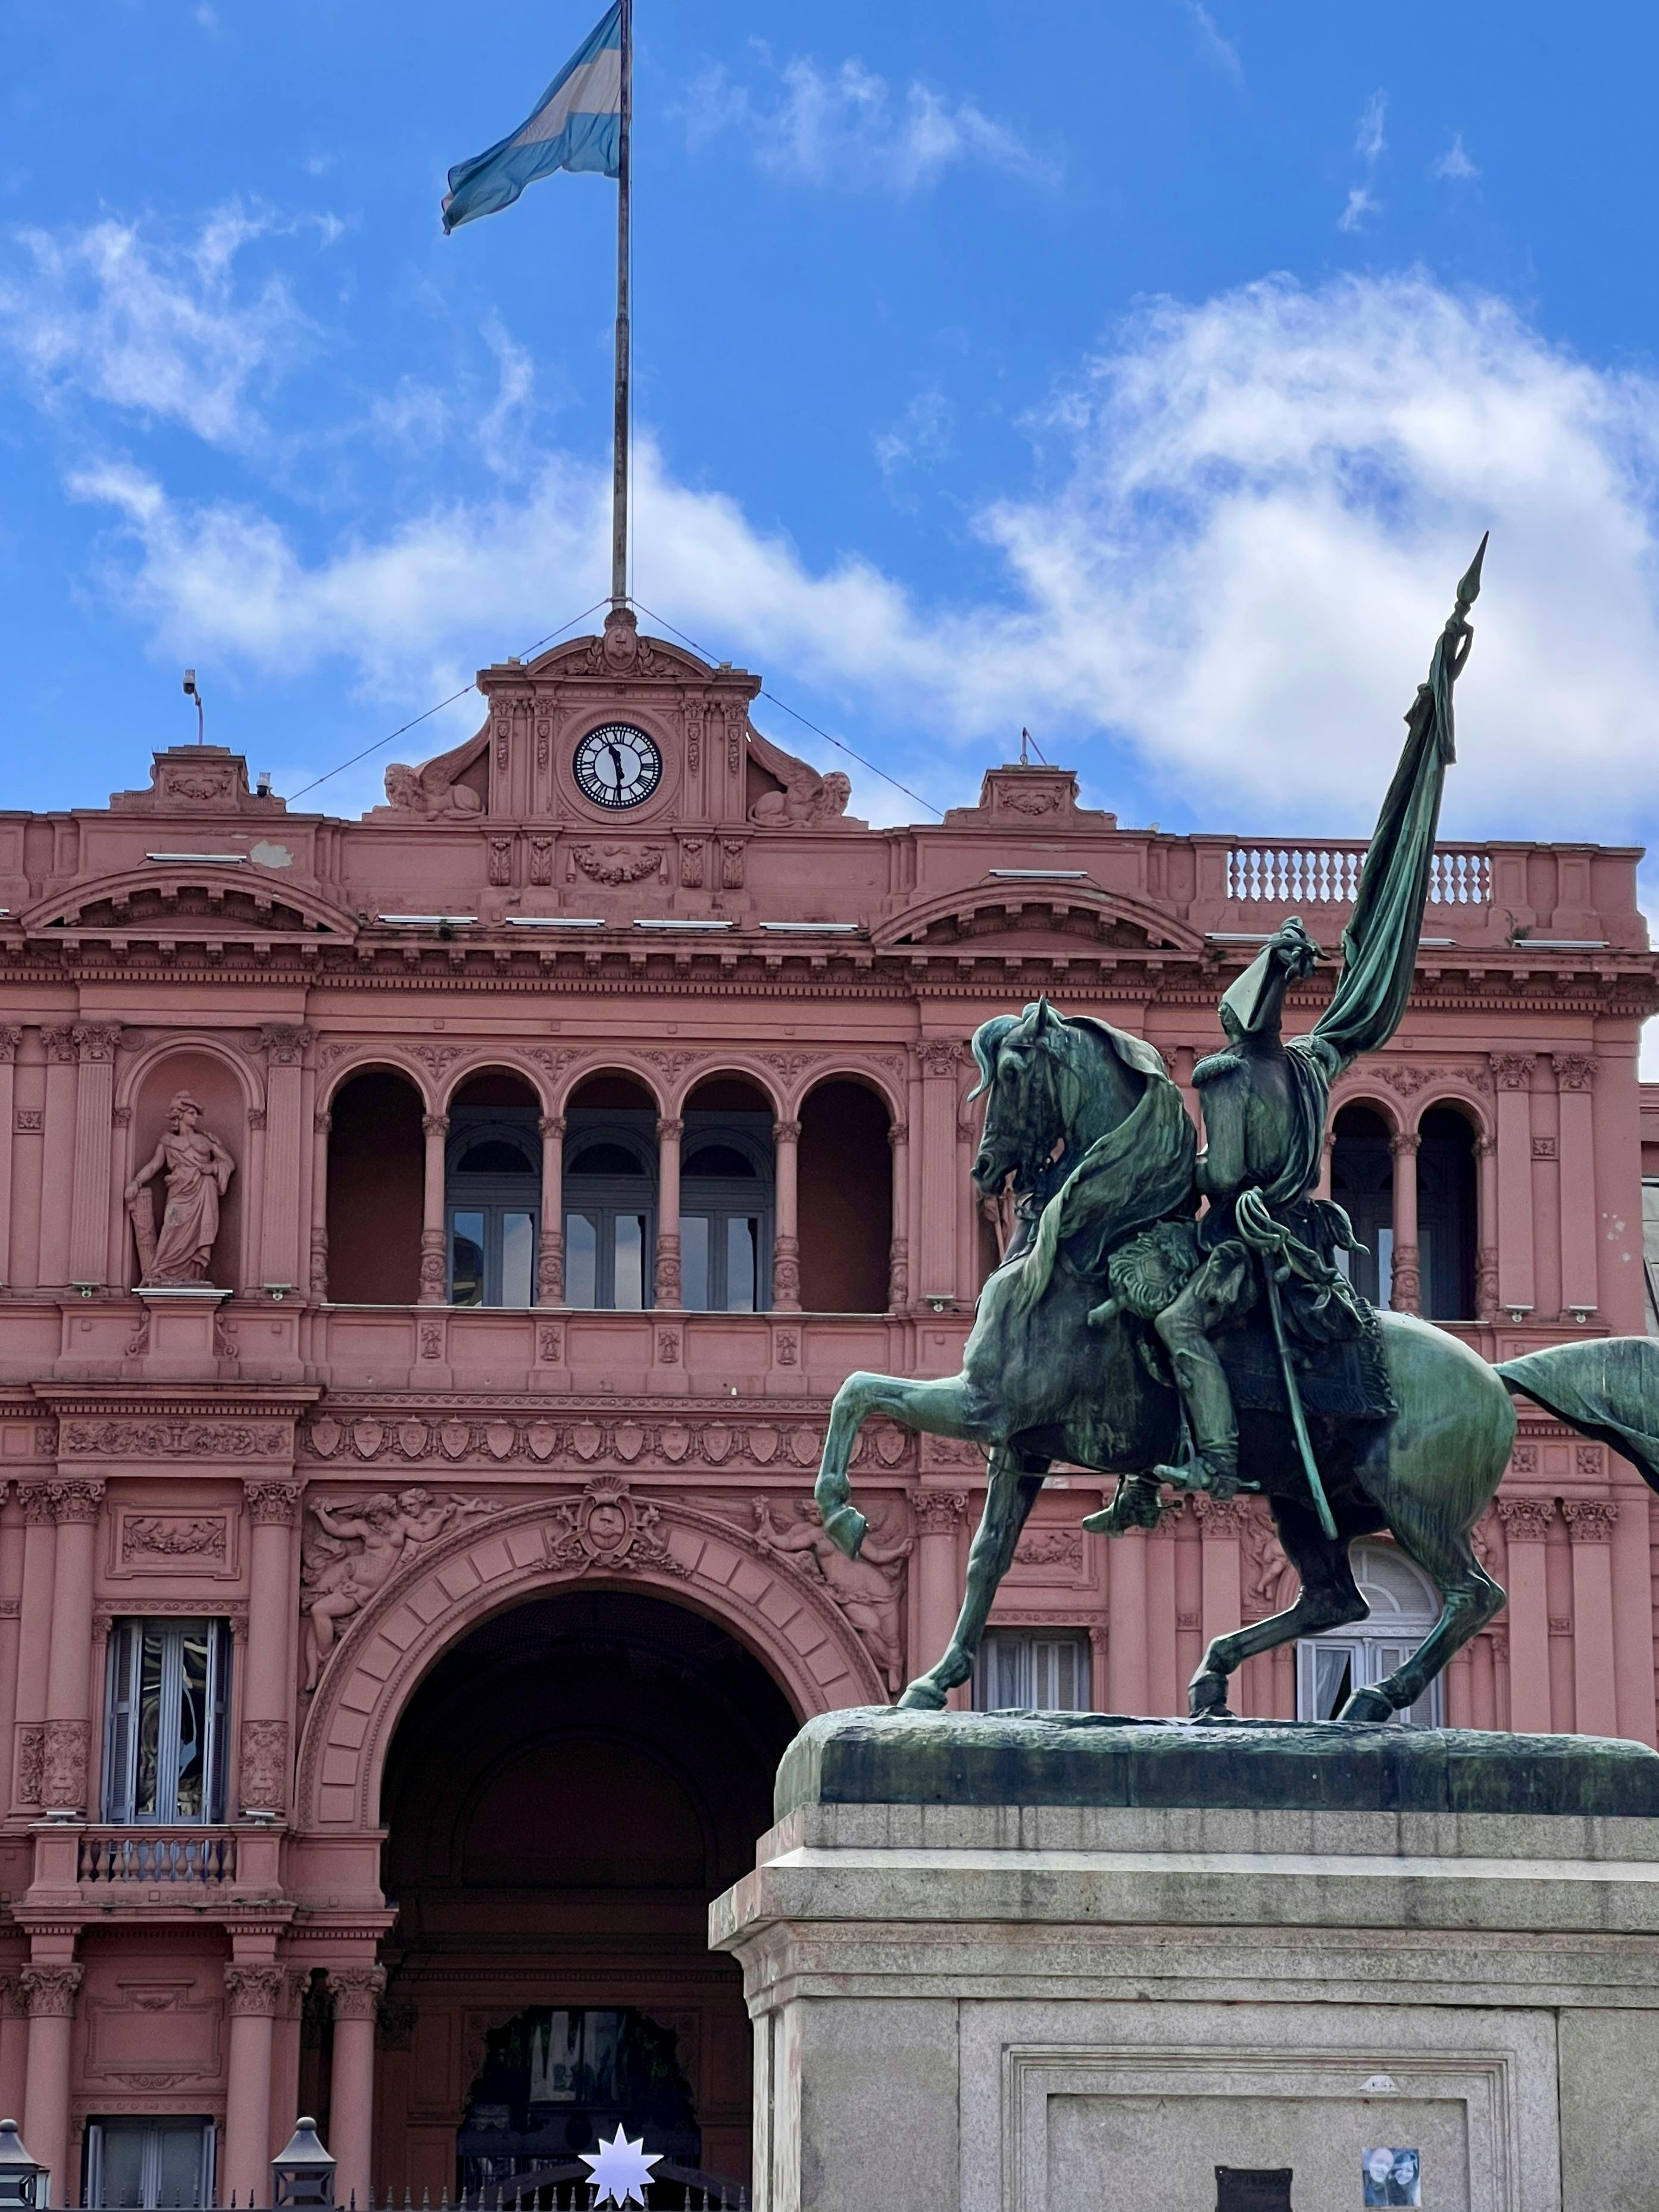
1265, 1100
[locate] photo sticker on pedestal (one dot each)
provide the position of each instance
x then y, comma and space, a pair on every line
1392, 2176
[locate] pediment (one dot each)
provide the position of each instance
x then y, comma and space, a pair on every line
218, 903
621, 653
1035, 917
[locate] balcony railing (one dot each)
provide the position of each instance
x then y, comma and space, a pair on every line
1261, 874
117, 1857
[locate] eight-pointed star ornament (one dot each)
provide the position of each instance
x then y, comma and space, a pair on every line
621, 2169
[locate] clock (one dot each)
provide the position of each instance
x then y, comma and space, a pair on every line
617, 765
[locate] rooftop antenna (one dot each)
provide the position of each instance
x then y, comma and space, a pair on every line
1028, 745
191, 692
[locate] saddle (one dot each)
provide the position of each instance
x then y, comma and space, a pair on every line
1344, 1377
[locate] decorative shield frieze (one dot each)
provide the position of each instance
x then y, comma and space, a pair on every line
454, 1437
498, 1436
763, 1446
890, 1444
716, 1443
325, 1437
541, 1439
586, 1439
804, 1447
367, 1437
411, 1438
676, 1441
627, 1441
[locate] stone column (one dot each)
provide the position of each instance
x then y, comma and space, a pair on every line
1127, 1670
434, 1258
1406, 1294
356, 1994
254, 1991
76, 1503
268, 1676
898, 1257
12, 1541
941, 1067
94, 1101
1512, 1072
786, 1251
321, 1125
56, 1154
1486, 1266
285, 2060
1575, 1076
1221, 1526
1526, 1525
50, 1989
33, 1643
937, 1515
1595, 1686
10, 1039
14, 2043
669, 1291
285, 1050
550, 1259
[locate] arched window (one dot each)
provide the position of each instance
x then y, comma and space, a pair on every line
727, 1197
1362, 1183
610, 1195
1330, 1668
493, 1192
1446, 1214
375, 1164
846, 1206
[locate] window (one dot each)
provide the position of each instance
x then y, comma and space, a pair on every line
726, 1214
1446, 1214
492, 1194
164, 1737
149, 2164
609, 1210
1330, 1668
1040, 1671
1362, 1183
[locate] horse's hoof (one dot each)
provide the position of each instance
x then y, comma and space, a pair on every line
921, 1697
1367, 1706
846, 1529
1220, 1715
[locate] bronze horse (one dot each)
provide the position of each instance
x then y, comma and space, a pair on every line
1038, 1383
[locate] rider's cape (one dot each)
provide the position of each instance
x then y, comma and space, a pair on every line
1144, 1171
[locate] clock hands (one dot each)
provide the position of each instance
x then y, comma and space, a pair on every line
615, 762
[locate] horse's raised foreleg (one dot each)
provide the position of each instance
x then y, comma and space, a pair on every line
1010, 1490
1328, 1598
942, 1409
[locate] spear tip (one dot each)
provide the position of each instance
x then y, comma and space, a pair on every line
1469, 590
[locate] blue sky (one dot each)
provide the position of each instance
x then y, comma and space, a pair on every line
1141, 371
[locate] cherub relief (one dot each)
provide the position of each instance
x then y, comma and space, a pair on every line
361, 1548
198, 1171
866, 1588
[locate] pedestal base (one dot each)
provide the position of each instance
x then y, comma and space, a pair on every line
1072, 1996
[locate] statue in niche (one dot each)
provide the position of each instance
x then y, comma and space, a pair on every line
198, 1171
866, 1588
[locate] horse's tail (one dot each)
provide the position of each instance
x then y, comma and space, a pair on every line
1607, 1390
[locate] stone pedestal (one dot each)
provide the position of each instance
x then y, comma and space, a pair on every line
1033, 1964
178, 1341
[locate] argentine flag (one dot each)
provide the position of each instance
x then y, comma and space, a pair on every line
576, 124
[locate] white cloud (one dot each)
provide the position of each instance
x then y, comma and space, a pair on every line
922, 433
846, 126
164, 332
1454, 164
1221, 50
1269, 497
1369, 141
1361, 203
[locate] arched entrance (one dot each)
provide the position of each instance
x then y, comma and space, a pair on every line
564, 1792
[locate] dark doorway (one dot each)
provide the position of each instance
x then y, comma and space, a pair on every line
1362, 1183
567, 1790
1446, 1209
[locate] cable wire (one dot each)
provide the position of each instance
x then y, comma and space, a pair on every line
415, 723
773, 699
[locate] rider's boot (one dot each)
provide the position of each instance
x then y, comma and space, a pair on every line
1211, 1464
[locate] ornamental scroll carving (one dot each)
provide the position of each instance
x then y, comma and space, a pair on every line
175, 1439
868, 1589
50, 1992
355, 1550
171, 1536
356, 1991
265, 1766
617, 864
255, 1992
68, 1745
197, 1170
607, 1528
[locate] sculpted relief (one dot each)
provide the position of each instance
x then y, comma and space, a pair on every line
197, 1170
355, 1550
868, 1589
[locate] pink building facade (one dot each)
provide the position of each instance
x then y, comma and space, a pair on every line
404, 1598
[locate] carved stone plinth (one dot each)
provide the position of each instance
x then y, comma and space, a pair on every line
180, 1338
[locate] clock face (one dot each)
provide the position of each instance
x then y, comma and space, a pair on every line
617, 765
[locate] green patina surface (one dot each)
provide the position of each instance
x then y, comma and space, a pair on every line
874, 1756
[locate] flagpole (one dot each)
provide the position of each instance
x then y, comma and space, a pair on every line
619, 476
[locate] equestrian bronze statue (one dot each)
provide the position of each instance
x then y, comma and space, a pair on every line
1183, 1318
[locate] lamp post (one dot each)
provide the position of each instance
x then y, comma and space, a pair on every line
20, 2175
302, 2173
